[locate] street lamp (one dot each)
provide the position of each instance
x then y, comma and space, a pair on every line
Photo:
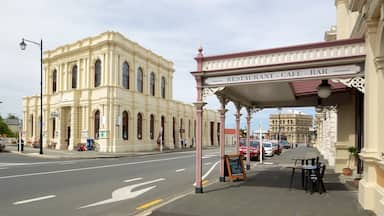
23, 45
278, 135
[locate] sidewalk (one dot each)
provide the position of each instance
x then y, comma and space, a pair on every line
67, 154
266, 192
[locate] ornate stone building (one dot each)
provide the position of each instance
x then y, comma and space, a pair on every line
294, 127
114, 91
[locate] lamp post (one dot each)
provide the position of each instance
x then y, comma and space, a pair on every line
23, 45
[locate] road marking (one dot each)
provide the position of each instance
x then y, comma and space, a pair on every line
125, 193
131, 180
95, 167
209, 163
208, 156
180, 170
3, 167
149, 204
209, 171
205, 182
44, 163
34, 199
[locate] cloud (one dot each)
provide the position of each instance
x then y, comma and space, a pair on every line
171, 28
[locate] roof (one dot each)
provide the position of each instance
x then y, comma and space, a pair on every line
229, 131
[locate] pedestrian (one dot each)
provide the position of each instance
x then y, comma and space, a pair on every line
185, 143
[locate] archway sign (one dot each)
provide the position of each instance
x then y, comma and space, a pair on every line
285, 76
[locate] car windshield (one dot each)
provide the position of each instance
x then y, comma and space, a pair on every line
267, 145
254, 143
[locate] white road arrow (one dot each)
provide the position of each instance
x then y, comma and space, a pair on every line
125, 193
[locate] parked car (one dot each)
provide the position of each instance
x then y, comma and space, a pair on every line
285, 144
254, 149
2, 144
268, 149
276, 148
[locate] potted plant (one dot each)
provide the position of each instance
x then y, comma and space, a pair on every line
353, 154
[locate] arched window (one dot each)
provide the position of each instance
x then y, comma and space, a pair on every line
152, 84
54, 81
97, 73
32, 126
140, 80
126, 75
139, 126
97, 124
53, 127
125, 126
74, 77
163, 87
152, 127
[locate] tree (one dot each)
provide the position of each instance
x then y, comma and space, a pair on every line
4, 129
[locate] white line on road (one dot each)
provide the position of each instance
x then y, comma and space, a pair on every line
95, 167
180, 170
134, 179
34, 199
3, 167
209, 163
209, 171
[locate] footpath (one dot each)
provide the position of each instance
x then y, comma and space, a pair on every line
266, 192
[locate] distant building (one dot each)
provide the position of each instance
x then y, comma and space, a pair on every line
230, 136
294, 127
13, 124
116, 92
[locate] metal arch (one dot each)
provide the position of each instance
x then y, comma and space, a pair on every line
355, 82
211, 91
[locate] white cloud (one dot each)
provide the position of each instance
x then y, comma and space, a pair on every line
171, 28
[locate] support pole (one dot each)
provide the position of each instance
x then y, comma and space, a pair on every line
222, 144
248, 161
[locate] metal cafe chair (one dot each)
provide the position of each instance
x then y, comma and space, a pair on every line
304, 162
316, 179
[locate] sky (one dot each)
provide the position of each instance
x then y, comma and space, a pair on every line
174, 29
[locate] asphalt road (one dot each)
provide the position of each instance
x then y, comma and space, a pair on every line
122, 186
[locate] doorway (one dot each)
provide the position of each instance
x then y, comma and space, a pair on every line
68, 135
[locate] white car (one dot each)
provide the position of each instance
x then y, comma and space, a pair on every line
268, 149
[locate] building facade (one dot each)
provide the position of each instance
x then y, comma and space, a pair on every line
114, 91
293, 127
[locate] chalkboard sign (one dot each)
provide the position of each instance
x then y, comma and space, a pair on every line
234, 167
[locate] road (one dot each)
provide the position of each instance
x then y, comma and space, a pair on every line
122, 186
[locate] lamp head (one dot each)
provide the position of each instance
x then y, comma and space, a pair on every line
23, 45
324, 89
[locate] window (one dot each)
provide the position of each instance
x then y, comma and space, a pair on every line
97, 73
54, 81
139, 126
152, 84
140, 80
74, 77
32, 126
53, 127
163, 87
97, 124
125, 126
126, 75
152, 127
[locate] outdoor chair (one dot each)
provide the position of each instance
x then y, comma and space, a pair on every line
315, 179
314, 161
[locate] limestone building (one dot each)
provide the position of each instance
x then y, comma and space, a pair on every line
293, 127
114, 91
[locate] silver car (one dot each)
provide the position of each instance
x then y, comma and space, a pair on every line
268, 149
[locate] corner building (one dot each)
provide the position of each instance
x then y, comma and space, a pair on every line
114, 91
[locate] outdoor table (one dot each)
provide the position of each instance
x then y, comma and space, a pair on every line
304, 158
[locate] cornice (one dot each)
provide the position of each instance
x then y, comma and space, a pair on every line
107, 39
